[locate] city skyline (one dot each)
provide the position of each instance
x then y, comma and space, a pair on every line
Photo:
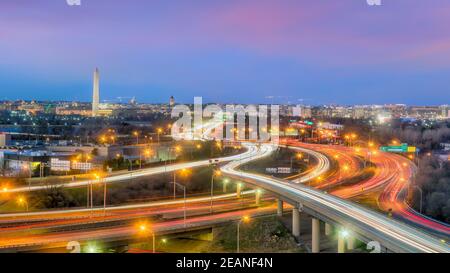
238, 135
299, 52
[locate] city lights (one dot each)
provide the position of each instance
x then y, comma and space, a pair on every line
233, 127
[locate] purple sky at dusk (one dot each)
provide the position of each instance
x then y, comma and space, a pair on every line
300, 51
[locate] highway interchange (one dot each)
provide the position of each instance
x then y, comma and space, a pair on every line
391, 175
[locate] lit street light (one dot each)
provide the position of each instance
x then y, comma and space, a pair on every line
184, 198
421, 196
22, 201
159, 131
225, 183
136, 134
98, 177
144, 229
298, 156
215, 173
183, 172
244, 219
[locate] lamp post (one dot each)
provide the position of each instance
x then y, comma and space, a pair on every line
225, 183
159, 131
184, 203
143, 228
92, 197
136, 134
99, 178
147, 154
244, 219
421, 197
169, 152
28, 168
298, 156
23, 201
87, 194
215, 173
174, 184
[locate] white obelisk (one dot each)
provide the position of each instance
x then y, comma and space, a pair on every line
96, 93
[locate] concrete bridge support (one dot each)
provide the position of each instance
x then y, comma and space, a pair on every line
296, 222
258, 194
280, 207
350, 242
328, 229
341, 243
238, 190
315, 248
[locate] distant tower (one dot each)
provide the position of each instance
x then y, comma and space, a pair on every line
172, 102
96, 93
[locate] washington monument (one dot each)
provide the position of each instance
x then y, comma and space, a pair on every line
96, 93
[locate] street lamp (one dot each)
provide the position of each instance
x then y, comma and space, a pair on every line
98, 177
345, 168
159, 131
184, 198
344, 233
22, 201
144, 229
298, 156
91, 248
215, 173
28, 168
244, 219
169, 153
183, 172
136, 134
225, 183
147, 153
421, 196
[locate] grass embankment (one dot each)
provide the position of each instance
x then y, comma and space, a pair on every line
266, 234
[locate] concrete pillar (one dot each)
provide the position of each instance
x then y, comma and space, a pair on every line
350, 243
328, 229
315, 236
238, 190
295, 222
341, 243
280, 207
258, 193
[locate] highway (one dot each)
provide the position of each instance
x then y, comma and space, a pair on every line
395, 193
161, 210
348, 164
135, 174
322, 166
129, 232
392, 176
85, 212
395, 235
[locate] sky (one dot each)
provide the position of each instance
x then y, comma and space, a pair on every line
230, 51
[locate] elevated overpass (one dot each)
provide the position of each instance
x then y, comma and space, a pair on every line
366, 225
